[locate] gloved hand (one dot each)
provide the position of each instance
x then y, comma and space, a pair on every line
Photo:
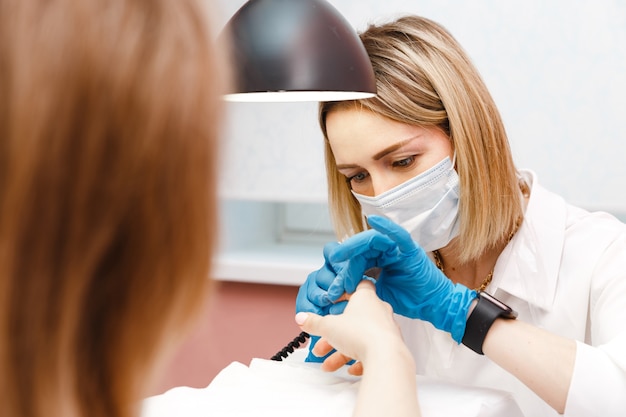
322, 288
408, 280
313, 295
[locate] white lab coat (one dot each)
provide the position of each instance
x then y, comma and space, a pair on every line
564, 271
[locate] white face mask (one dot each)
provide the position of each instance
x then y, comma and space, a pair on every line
426, 205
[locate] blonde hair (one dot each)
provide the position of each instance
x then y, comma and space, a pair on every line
107, 196
425, 78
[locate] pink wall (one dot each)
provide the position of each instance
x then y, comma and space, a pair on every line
243, 321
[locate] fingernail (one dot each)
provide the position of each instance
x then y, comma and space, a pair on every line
301, 318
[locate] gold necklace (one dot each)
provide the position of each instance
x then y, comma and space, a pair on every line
483, 285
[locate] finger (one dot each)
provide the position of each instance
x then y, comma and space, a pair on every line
337, 288
337, 308
366, 244
345, 297
317, 285
396, 232
341, 303
357, 255
303, 303
322, 348
327, 278
349, 277
312, 323
308, 321
354, 271
356, 369
366, 284
329, 248
311, 356
335, 361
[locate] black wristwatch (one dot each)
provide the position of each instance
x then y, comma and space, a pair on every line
487, 310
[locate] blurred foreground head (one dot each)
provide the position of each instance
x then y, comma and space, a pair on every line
108, 114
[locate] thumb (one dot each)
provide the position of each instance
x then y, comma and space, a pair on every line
309, 322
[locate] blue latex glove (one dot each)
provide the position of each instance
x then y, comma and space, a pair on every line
313, 295
320, 291
322, 288
408, 280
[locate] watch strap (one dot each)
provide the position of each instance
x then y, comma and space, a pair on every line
486, 311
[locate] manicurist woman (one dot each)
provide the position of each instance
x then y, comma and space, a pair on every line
495, 281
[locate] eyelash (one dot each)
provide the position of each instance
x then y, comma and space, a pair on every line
411, 160
349, 179
400, 163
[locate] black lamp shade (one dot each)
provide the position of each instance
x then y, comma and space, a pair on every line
296, 50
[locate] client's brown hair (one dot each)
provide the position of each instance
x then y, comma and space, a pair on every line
107, 196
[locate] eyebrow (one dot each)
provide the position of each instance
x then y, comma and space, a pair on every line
390, 149
382, 153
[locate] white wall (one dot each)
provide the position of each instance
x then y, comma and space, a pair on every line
557, 70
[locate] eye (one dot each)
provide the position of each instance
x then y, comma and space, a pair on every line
357, 178
404, 162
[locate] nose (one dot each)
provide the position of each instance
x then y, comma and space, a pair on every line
381, 183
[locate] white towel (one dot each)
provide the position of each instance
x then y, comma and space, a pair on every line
277, 389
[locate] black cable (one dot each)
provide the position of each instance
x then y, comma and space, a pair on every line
291, 346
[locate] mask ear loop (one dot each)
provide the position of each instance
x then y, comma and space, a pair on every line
454, 160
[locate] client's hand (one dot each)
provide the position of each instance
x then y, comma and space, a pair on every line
366, 331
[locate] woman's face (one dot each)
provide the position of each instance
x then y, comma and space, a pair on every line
375, 153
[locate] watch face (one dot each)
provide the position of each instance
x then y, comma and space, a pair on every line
496, 301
